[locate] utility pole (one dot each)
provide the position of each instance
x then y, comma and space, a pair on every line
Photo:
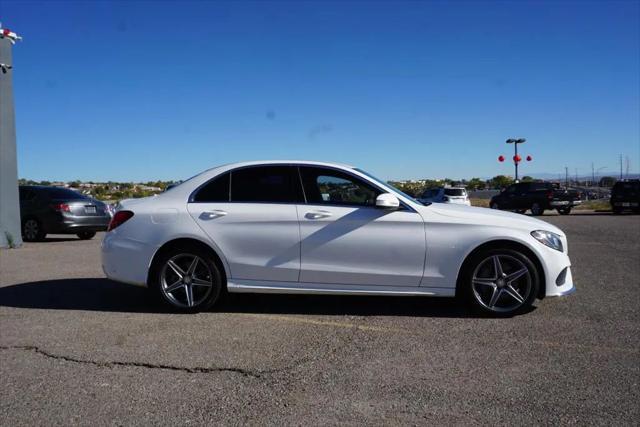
10, 225
566, 176
620, 166
593, 175
627, 167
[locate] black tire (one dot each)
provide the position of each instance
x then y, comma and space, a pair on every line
564, 211
86, 235
616, 210
536, 209
479, 296
32, 230
202, 298
494, 205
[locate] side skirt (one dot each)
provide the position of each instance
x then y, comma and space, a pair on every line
254, 286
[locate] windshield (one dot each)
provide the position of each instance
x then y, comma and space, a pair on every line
455, 192
389, 186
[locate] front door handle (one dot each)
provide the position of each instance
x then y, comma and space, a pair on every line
317, 215
216, 213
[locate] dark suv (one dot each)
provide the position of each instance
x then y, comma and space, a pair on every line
60, 211
625, 195
537, 196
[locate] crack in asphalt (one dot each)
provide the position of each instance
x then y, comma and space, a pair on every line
193, 370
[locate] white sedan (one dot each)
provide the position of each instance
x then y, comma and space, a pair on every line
323, 228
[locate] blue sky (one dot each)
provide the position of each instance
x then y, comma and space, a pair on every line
162, 90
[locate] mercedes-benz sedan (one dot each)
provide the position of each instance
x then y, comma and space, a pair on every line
324, 228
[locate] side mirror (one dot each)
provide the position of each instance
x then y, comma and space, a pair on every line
387, 201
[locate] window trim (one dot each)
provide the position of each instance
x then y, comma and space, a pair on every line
230, 172
403, 205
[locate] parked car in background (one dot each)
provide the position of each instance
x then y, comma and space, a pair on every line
625, 195
536, 196
446, 195
58, 210
322, 228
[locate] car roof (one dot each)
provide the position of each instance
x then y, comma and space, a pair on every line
280, 162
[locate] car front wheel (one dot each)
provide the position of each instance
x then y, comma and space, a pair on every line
86, 235
187, 280
501, 282
564, 211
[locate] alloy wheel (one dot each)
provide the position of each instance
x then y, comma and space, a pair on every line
186, 280
501, 283
31, 229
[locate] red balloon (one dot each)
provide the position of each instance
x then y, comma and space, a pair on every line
501, 158
529, 158
517, 158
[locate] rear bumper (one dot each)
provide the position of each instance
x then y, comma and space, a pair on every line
126, 260
623, 204
565, 203
72, 225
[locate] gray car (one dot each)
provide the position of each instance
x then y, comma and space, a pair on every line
57, 210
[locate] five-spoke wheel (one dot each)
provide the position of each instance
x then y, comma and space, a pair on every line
501, 282
187, 279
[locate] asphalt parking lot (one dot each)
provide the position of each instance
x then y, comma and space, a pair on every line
76, 348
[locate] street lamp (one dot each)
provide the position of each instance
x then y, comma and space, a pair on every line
516, 157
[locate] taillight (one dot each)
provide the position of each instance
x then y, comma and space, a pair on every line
119, 218
61, 207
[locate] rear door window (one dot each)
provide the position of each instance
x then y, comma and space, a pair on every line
266, 184
216, 190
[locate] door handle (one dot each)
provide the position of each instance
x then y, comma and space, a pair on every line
216, 213
317, 215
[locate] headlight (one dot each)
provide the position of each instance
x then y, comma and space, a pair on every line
548, 238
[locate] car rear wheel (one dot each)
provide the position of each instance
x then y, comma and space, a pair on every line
187, 280
494, 205
501, 282
616, 210
86, 235
32, 230
536, 209
564, 211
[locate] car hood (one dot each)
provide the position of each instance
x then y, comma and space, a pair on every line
483, 216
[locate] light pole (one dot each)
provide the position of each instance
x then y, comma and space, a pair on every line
516, 158
10, 228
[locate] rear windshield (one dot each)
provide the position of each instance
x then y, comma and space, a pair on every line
455, 192
64, 193
626, 187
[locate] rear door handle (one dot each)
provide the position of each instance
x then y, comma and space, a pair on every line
317, 215
216, 213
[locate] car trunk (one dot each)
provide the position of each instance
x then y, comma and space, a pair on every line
86, 208
565, 194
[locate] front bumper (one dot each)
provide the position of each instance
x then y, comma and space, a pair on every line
557, 271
